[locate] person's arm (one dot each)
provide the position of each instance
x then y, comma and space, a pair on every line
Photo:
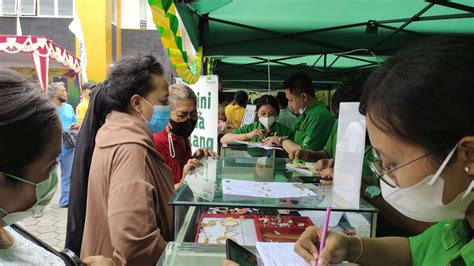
363, 251
308, 155
289, 146
230, 137
385, 250
243, 133
134, 230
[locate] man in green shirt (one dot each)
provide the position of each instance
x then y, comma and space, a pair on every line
314, 123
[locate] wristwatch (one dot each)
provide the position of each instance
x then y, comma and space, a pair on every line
372, 192
282, 139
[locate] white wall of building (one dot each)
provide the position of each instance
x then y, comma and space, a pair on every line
131, 14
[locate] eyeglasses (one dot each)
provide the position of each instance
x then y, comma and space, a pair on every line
182, 116
381, 171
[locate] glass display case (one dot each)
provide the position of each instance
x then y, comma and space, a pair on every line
177, 253
202, 193
241, 150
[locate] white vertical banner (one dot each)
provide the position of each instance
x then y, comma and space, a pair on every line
205, 132
349, 155
76, 28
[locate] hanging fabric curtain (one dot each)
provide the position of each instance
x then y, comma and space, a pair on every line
167, 22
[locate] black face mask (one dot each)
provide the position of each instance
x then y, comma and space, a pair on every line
183, 129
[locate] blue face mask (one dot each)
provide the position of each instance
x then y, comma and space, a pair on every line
160, 118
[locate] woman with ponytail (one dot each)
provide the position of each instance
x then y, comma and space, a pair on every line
127, 216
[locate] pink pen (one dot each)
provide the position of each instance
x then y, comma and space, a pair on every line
322, 241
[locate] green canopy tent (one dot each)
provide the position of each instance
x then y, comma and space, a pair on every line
257, 43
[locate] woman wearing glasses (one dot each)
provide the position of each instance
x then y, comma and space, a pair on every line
427, 155
173, 142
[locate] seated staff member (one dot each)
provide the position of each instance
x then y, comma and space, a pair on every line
236, 109
314, 123
348, 91
30, 141
428, 157
267, 125
173, 142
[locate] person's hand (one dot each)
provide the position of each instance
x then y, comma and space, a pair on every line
98, 261
304, 155
327, 176
75, 126
272, 141
256, 133
335, 250
204, 152
191, 165
323, 164
228, 263
327, 173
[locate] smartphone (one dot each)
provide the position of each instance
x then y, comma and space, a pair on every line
309, 179
239, 254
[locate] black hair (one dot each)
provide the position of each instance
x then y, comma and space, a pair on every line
350, 90
300, 83
129, 76
268, 99
222, 97
424, 94
241, 97
27, 119
282, 100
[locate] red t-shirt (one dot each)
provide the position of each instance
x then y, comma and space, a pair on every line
162, 146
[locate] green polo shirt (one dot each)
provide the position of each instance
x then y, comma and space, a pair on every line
276, 130
445, 243
330, 146
313, 127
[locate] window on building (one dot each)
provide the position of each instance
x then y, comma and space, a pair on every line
46, 7
143, 10
28, 7
8, 7
65, 7
62, 8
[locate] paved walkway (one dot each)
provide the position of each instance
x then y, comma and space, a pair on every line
51, 227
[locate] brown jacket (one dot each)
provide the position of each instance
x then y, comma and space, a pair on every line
128, 217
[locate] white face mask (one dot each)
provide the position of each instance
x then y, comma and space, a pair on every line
44, 193
267, 122
424, 200
302, 109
